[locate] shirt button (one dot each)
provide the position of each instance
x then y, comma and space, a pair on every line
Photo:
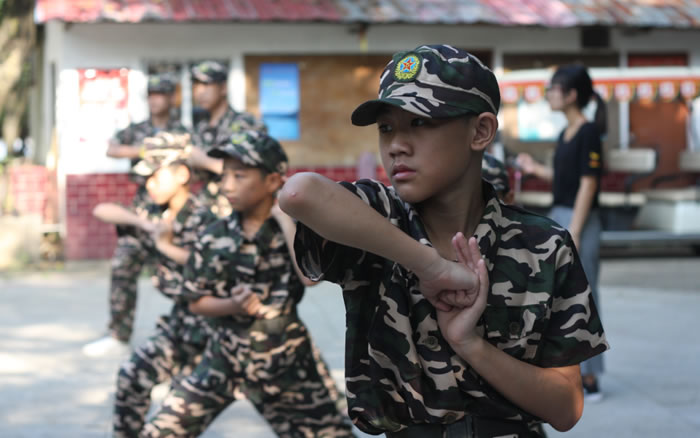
514, 328
430, 342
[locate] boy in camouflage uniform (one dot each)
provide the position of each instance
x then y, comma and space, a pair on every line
440, 341
210, 93
180, 336
242, 275
130, 254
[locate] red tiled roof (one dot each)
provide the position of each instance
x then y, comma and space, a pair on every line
548, 13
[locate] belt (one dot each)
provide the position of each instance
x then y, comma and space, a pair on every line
467, 427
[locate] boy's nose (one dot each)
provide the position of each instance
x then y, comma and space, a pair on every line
399, 145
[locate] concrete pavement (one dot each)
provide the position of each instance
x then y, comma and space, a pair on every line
49, 389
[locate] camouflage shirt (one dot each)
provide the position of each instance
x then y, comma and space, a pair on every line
136, 132
399, 369
188, 224
223, 258
206, 136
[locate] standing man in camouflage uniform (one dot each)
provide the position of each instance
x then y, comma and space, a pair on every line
130, 253
210, 93
446, 336
242, 275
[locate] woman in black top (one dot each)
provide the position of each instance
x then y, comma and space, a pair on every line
575, 178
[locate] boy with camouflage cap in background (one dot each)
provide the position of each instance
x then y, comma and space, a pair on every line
446, 336
130, 254
180, 336
242, 275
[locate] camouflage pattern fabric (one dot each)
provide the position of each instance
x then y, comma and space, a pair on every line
170, 353
207, 137
254, 149
131, 253
399, 369
209, 72
495, 173
135, 133
162, 83
180, 336
438, 81
271, 358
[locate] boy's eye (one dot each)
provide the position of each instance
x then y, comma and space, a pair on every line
419, 121
384, 127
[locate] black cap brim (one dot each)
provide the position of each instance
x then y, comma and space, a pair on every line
366, 114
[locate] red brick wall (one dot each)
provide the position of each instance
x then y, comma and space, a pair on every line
29, 188
88, 238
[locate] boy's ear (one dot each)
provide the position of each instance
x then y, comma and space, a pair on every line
485, 127
274, 181
182, 174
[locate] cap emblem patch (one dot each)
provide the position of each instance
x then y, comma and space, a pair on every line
407, 68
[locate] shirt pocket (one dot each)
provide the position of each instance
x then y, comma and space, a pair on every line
516, 330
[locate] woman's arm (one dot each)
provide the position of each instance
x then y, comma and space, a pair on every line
530, 166
582, 206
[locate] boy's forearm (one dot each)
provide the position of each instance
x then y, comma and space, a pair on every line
173, 252
338, 215
553, 394
116, 214
211, 306
289, 229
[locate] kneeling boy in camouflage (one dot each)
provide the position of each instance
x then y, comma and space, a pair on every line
180, 336
437, 347
241, 274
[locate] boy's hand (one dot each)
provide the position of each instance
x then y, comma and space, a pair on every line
244, 302
448, 284
162, 231
458, 325
147, 226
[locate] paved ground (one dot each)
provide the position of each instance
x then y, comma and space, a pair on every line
48, 389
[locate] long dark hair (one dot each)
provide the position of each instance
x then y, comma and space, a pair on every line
575, 77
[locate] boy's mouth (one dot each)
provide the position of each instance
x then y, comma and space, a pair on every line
402, 172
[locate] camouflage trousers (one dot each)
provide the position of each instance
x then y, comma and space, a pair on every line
171, 353
297, 398
130, 256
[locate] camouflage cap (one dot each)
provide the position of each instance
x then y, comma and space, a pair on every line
495, 173
161, 83
437, 81
254, 149
163, 149
209, 72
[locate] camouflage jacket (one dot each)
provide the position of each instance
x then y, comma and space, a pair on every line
206, 136
136, 132
188, 224
399, 368
223, 258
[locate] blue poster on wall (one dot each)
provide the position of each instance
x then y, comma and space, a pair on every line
279, 100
